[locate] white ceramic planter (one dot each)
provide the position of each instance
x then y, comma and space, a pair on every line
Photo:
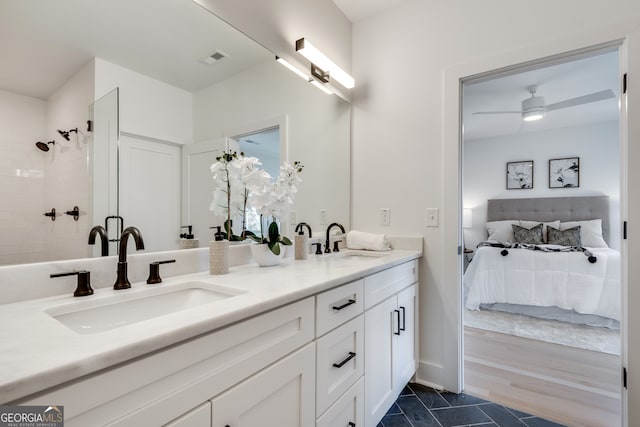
263, 255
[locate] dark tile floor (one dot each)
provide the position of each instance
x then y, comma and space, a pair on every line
420, 406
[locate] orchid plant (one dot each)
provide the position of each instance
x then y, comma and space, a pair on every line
240, 185
271, 199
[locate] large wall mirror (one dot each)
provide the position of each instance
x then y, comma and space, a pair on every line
186, 86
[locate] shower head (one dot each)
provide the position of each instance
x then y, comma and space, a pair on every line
65, 133
44, 146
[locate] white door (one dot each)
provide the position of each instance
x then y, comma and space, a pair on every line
404, 361
379, 328
281, 395
630, 127
197, 187
149, 189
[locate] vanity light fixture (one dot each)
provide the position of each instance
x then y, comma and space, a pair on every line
303, 75
323, 65
283, 62
320, 86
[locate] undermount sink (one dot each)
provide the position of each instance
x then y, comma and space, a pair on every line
114, 311
360, 255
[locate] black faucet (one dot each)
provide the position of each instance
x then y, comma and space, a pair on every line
102, 232
301, 231
327, 249
122, 282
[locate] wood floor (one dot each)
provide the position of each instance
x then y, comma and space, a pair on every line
568, 385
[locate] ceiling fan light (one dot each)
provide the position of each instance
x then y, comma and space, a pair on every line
532, 116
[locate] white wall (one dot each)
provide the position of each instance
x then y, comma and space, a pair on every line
67, 180
400, 58
148, 107
317, 130
485, 159
22, 173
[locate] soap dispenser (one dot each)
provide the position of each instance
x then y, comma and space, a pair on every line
187, 240
302, 242
219, 254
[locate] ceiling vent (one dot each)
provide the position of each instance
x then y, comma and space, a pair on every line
213, 58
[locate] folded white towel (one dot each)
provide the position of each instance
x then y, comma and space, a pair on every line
369, 241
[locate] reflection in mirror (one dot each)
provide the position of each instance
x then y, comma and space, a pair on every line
177, 111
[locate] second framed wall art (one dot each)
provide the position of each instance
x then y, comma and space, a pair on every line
564, 173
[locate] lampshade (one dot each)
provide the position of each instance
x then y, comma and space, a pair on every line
467, 218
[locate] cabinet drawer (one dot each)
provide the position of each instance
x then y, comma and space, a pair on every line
338, 305
340, 362
348, 410
382, 285
197, 417
155, 389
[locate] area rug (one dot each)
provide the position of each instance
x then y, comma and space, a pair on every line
587, 337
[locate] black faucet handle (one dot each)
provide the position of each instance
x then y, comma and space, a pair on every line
154, 271
318, 248
83, 288
336, 248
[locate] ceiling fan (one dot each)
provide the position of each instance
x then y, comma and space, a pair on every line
534, 108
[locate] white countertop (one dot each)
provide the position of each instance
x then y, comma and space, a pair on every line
38, 352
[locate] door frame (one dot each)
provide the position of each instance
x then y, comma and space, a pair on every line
452, 260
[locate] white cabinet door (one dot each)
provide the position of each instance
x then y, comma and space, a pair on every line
280, 395
379, 328
404, 361
197, 417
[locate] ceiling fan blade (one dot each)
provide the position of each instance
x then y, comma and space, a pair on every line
585, 99
497, 112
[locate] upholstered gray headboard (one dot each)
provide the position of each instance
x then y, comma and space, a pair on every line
551, 209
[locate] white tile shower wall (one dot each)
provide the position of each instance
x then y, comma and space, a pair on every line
22, 165
67, 183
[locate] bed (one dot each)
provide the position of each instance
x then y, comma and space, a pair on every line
566, 285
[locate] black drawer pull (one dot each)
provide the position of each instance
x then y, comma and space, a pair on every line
352, 424
404, 320
345, 305
349, 357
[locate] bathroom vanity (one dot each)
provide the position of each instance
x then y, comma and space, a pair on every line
325, 341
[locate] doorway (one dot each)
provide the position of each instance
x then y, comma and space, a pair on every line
571, 151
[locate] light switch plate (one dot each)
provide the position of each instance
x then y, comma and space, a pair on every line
432, 219
385, 216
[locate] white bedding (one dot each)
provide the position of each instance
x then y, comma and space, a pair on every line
564, 279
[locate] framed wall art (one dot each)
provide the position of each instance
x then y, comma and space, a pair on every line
564, 173
520, 175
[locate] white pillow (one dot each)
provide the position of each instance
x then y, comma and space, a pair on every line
590, 232
501, 231
531, 224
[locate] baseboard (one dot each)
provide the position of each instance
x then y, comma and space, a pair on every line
430, 374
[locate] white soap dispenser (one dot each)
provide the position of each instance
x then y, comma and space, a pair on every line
219, 254
301, 242
187, 240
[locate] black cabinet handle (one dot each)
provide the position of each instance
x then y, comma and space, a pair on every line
404, 320
397, 312
351, 424
345, 305
349, 357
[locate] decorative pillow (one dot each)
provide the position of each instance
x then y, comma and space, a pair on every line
568, 237
528, 235
531, 224
590, 232
501, 231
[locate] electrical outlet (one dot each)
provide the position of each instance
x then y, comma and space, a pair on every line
385, 216
323, 217
293, 218
432, 219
